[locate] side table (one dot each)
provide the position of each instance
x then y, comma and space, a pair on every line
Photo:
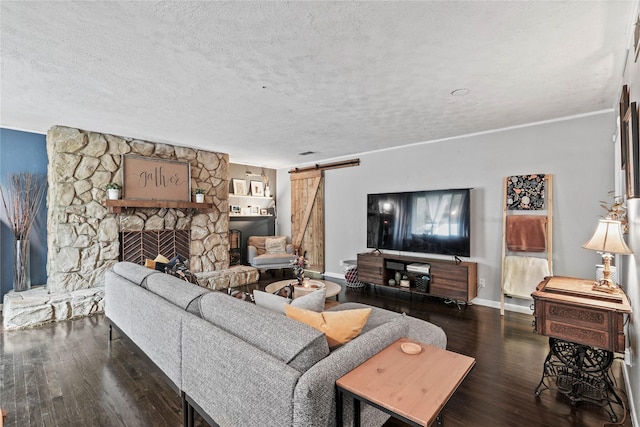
584, 328
411, 388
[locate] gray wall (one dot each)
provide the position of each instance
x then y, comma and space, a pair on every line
578, 152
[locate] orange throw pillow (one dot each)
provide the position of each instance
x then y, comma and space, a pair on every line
340, 327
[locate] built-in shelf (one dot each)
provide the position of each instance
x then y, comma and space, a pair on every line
250, 216
116, 206
248, 196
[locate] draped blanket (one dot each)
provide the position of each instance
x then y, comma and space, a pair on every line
522, 275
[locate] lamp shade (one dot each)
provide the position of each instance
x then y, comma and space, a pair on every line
608, 238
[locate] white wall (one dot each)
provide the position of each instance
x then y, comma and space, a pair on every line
577, 151
631, 264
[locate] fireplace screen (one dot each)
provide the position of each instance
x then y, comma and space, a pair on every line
138, 246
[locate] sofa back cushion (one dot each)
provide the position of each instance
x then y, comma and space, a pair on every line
177, 291
294, 343
133, 272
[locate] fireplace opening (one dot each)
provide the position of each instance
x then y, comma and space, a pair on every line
138, 246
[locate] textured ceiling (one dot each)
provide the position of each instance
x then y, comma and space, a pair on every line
264, 81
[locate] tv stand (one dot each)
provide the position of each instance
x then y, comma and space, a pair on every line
453, 280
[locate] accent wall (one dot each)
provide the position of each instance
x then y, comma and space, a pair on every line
23, 152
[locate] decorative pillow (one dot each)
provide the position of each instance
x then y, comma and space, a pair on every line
161, 258
271, 301
275, 245
155, 265
313, 301
178, 259
180, 270
340, 327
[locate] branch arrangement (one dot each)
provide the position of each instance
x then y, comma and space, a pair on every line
22, 198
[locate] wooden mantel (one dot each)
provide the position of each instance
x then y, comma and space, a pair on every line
116, 206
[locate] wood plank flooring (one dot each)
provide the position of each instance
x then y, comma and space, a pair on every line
68, 374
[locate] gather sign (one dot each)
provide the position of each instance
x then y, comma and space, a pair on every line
145, 178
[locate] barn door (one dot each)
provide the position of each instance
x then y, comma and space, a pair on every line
307, 216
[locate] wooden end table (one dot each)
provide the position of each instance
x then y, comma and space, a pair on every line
411, 388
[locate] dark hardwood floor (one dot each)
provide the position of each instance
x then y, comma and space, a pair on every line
68, 374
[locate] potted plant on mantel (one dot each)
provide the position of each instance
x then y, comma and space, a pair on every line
113, 191
199, 192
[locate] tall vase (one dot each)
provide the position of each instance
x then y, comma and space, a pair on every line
21, 266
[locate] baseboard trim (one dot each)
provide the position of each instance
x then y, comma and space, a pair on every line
509, 307
635, 421
333, 275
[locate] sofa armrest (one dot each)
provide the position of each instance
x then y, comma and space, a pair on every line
252, 252
232, 381
314, 397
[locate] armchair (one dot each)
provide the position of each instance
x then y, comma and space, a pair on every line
269, 252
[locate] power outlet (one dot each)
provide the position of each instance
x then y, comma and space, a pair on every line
481, 282
628, 356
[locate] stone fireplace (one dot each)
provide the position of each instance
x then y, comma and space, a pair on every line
83, 236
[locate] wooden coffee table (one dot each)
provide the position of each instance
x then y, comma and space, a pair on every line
332, 289
411, 388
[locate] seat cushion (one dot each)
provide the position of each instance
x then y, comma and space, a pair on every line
270, 259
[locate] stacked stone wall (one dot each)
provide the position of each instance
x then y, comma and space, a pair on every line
83, 237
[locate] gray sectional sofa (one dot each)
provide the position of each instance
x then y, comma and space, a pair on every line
239, 364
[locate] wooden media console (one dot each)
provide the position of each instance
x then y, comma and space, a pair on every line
446, 279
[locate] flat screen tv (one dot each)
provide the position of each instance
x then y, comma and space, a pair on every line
435, 222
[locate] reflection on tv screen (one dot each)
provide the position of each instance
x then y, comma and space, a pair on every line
423, 221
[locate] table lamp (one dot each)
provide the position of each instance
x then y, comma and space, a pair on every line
607, 240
